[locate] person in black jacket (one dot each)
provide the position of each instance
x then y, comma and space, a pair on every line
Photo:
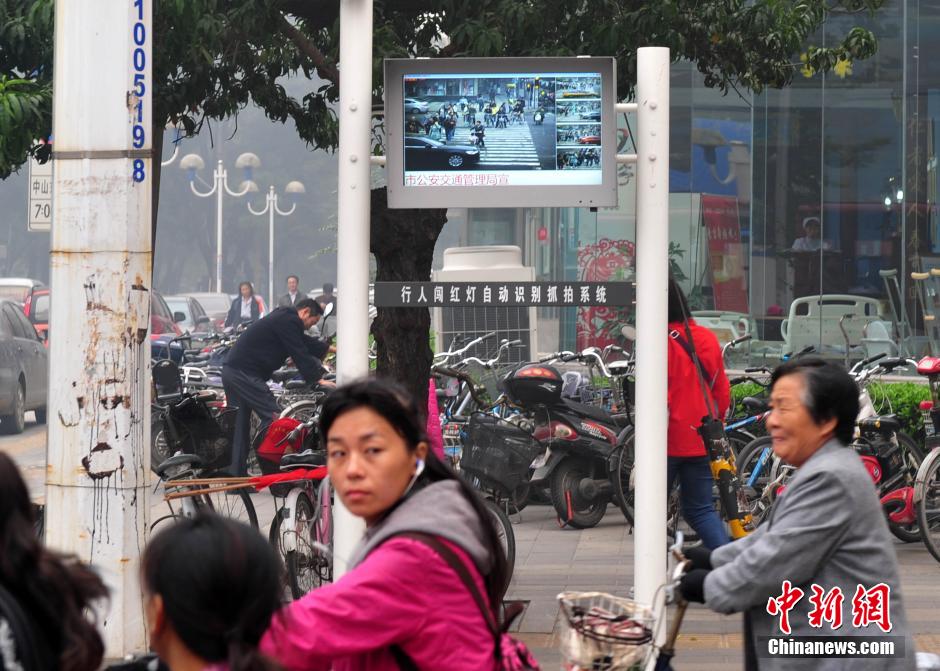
244, 308
47, 600
257, 353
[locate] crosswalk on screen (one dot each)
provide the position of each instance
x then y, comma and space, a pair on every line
502, 129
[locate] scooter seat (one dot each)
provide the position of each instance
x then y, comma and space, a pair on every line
305, 458
597, 414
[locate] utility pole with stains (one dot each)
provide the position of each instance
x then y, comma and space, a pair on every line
98, 408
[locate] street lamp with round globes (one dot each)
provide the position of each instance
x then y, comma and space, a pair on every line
247, 161
270, 208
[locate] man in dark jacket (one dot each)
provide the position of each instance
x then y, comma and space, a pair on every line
260, 351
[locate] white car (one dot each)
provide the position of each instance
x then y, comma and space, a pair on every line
415, 106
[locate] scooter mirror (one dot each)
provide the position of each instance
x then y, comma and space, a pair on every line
628, 331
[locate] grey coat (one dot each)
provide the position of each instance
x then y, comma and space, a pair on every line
826, 528
285, 301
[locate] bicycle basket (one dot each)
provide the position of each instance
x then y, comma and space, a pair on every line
498, 453
603, 632
211, 435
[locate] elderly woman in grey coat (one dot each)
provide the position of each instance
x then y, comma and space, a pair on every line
823, 562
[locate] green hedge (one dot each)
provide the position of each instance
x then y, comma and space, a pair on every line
903, 399
900, 398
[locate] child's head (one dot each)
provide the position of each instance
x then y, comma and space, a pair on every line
212, 585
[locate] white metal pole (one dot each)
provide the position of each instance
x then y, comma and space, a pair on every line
652, 272
352, 239
272, 205
98, 406
220, 178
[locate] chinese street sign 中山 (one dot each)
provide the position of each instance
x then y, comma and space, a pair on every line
502, 294
40, 196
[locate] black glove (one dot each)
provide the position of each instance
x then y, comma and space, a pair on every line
692, 585
700, 556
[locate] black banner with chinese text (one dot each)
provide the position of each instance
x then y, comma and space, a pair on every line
502, 294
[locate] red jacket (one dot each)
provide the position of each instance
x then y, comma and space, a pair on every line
686, 405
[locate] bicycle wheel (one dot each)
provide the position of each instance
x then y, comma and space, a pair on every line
749, 458
622, 463
910, 458
303, 561
676, 522
928, 508
507, 537
739, 440
235, 503
571, 507
163, 521
161, 448
302, 411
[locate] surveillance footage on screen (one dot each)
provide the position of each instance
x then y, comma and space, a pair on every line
502, 129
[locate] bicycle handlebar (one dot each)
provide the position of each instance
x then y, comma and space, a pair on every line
466, 348
734, 343
447, 371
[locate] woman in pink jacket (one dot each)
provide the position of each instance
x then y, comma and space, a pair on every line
401, 605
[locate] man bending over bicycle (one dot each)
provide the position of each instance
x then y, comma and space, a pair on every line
257, 353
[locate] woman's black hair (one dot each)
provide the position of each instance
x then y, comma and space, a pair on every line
219, 581
395, 406
678, 309
56, 591
250, 286
829, 392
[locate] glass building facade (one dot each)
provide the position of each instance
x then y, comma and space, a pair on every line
827, 188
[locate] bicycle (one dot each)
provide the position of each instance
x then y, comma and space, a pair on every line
184, 478
603, 631
926, 495
892, 457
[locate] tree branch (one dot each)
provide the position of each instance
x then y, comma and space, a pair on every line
325, 69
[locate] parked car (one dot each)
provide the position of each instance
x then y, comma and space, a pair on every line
414, 106
592, 116
18, 289
216, 305
163, 329
589, 139
23, 369
194, 318
423, 152
36, 309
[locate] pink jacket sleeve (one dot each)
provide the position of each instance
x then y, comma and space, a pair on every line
435, 438
367, 609
397, 595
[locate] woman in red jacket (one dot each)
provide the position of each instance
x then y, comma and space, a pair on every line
687, 459
401, 605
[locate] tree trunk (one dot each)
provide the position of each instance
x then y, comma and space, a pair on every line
403, 244
157, 128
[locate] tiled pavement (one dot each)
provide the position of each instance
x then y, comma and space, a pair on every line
550, 560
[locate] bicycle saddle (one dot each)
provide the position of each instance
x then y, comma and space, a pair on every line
193, 460
284, 374
755, 404
306, 458
882, 424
